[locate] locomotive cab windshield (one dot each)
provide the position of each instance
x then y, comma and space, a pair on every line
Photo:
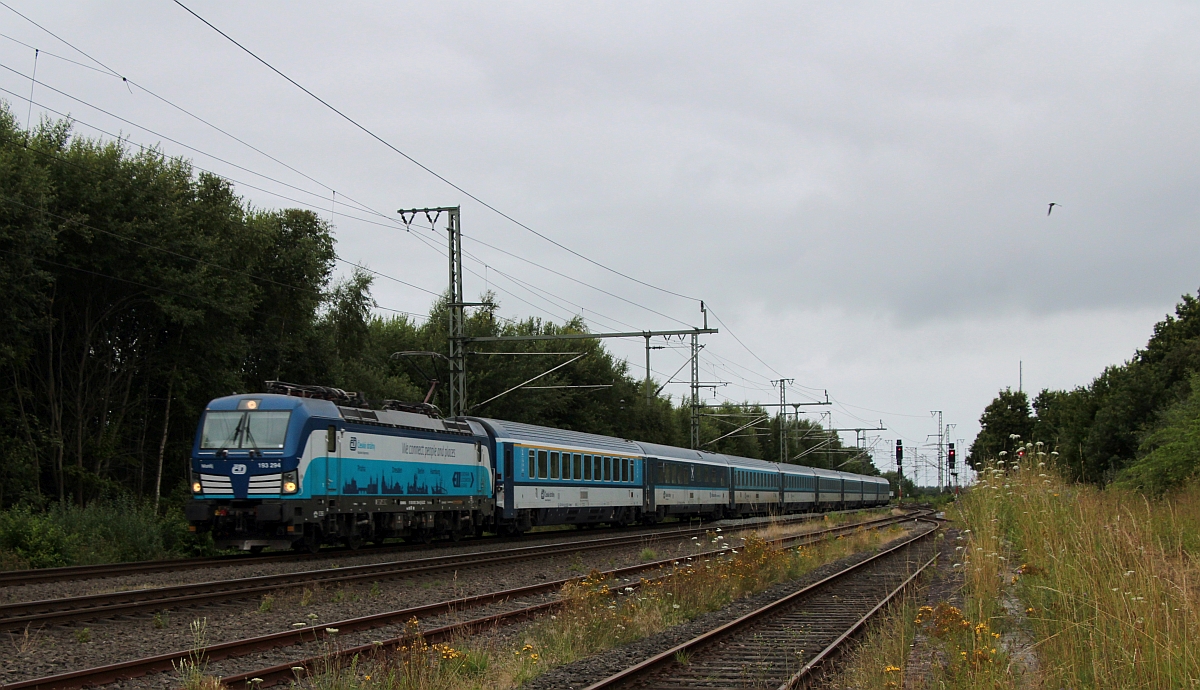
244, 429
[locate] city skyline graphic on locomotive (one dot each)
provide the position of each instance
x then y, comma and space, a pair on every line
302, 466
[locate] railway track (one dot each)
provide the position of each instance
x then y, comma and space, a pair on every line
781, 644
75, 573
96, 606
11, 578
286, 672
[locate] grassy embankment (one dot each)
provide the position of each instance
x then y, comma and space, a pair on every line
1101, 587
597, 614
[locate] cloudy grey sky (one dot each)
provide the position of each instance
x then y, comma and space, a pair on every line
858, 189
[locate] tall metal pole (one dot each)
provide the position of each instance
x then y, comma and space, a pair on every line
695, 391
456, 305
783, 430
458, 355
696, 380
949, 479
941, 437
784, 450
649, 389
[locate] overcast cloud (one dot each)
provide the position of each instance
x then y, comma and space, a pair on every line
858, 189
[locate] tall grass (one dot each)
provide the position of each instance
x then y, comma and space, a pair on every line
880, 659
1108, 578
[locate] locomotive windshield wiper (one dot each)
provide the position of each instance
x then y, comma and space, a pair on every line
249, 439
237, 434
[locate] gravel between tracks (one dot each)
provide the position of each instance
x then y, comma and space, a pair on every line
52, 590
67, 648
59, 649
589, 670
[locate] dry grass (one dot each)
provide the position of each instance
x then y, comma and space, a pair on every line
881, 659
192, 671
779, 527
596, 614
1111, 579
1104, 582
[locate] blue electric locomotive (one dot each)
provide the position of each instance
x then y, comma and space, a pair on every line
289, 469
283, 471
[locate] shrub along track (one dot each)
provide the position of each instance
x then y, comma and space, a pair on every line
286, 672
781, 644
18, 615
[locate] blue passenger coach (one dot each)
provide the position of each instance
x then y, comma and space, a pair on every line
552, 476
685, 482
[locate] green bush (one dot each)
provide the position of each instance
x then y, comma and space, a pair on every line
1171, 452
107, 531
34, 540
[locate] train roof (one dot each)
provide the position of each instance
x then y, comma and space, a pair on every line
272, 401
788, 468
751, 463
529, 433
659, 450
664, 452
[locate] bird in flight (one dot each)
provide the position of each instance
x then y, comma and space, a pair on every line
1051, 209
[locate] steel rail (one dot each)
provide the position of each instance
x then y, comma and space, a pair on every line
165, 662
88, 607
291, 671
10, 578
91, 572
658, 662
837, 645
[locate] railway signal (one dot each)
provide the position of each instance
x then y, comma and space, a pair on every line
950, 458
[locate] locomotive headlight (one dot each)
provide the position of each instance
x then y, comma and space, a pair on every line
291, 482
196, 488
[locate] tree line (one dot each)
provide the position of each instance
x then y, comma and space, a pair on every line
139, 289
1137, 423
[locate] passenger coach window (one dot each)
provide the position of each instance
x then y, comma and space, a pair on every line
531, 472
587, 467
597, 464
624, 469
543, 464
607, 469
578, 466
567, 466
554, 464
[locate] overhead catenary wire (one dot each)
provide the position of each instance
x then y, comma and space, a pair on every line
427, 169
739, 340
389, 222
147, 148
333, 192
393, 222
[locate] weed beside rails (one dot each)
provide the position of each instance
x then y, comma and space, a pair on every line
1106, 578
596, 613
879, 660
